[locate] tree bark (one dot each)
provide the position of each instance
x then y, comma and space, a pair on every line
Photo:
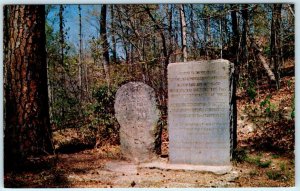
61, 33
245, 34
236, 34
80, 56
193, 34
262, 60
104, 42
62, 53
27, 131
207, 35
183, 33
113, 38
236, 44
276, 52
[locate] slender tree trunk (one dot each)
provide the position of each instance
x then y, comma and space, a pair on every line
276, 49
86, 79
104, 41
183, 33
236, 34
27, 130
207, 35
236, 45
61, 33
225, 27
245, 34
221, 38
262, 59
193, 34
62, 52
80, 56
291, 10
113, 39
5, 55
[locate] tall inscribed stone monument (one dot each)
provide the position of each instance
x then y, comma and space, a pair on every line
199, 112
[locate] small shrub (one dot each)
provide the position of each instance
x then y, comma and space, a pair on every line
267, 105
239, 155
257, 161
289, 83
282, 166
274, 156
105, 123
253, 173
293, 108
254, 160
265, 164
274, 174
251, 91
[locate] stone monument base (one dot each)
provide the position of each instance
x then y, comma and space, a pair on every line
163, 164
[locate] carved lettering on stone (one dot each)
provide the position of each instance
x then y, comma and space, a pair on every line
199, 112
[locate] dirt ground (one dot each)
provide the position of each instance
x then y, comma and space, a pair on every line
104, 168
253, 166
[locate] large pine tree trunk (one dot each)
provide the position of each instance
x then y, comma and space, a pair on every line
27, 130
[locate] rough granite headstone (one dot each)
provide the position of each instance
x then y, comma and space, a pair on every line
137, 114
199, 112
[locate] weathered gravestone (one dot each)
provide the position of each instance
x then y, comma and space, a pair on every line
199, 111
137, 114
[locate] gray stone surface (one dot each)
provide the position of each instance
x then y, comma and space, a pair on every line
199, 112
121, 166
137, 114
163, 164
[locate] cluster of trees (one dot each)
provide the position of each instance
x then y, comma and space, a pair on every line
143, 39
133, 42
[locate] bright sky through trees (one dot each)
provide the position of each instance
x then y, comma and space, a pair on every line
71, 22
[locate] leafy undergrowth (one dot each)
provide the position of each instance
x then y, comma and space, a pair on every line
266, 137
267, 123
266, 169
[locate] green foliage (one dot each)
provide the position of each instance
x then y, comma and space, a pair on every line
253, 160
283, 174
267, 50
274, 174
267, 105
274, 156
251, 91
282, 166
264, 164
106, 122
289, 83
293, 109
253, 173
257, 161
239, 155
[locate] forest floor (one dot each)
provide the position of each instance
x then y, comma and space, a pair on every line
264, 158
